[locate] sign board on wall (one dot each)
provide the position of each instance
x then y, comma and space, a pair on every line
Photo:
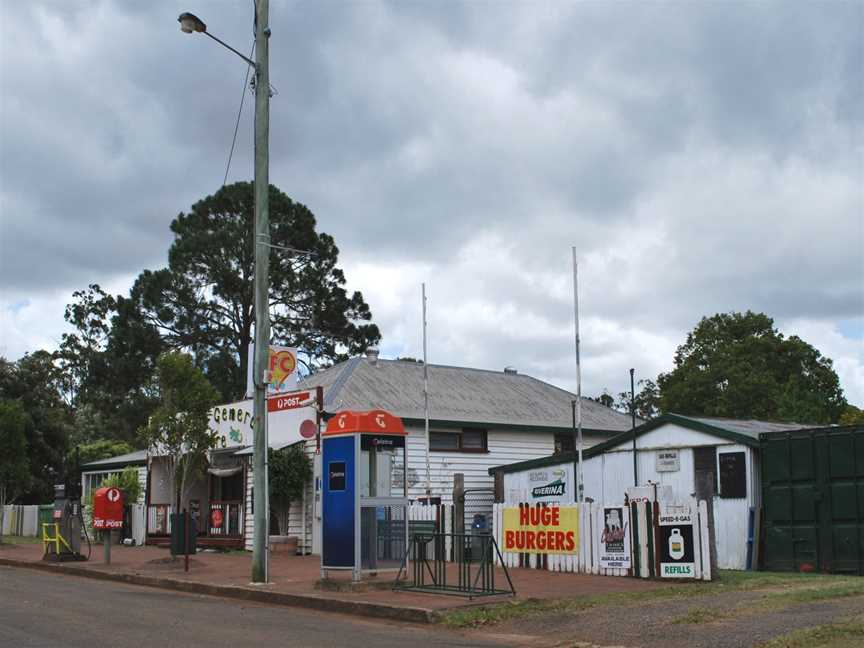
677, 549
550, 485
282, 365
541, 529
614, 531
668, 461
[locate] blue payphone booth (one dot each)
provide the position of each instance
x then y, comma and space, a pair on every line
364, 521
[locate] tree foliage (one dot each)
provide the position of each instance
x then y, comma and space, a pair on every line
14, 468
740, 366
102, 449
126, 481
289, 470
33, 382
852, 416
646, 401
204, 300
178, 430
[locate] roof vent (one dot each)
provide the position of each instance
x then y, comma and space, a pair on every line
510, 370
372, 355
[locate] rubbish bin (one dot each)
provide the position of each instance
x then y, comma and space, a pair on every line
479, 529
178, 534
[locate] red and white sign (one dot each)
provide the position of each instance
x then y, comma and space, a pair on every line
288, 401
292, 417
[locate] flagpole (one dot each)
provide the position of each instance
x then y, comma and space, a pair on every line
425, 401
579, 443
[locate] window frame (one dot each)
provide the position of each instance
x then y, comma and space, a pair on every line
560, 437
460, 448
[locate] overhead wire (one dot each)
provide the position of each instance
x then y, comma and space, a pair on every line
239, 113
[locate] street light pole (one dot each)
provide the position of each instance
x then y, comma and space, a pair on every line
189, 24
260, 369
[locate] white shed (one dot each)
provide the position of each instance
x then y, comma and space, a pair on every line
710, 458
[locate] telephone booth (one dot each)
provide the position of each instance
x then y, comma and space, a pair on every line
365, 498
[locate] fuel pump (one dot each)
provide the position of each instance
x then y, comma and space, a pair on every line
61, 538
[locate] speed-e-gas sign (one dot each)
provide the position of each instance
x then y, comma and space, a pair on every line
677, 549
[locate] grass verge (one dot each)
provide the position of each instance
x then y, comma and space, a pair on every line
844, 634
16, 540
783, 589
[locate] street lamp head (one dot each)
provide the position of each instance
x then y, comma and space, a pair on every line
190, 23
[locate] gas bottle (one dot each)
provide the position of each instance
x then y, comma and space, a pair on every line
676, 545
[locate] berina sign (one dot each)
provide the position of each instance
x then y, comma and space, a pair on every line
554, 489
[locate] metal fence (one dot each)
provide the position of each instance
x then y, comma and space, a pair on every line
428, 570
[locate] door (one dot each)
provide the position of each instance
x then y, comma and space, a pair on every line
813, 500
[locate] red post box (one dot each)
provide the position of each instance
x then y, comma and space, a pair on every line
107, 508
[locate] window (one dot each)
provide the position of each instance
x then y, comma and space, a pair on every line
564, 443
733, 475
467, 440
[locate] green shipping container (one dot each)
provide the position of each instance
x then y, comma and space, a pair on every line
813, 500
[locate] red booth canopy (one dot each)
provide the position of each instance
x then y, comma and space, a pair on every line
373, 422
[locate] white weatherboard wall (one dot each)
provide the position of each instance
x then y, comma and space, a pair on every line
608, 475
504, 446
301, 516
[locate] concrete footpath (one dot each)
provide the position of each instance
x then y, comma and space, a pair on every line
294, 580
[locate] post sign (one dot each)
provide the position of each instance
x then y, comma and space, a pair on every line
668, 461
677, 549
615, 538
541, 529
107, 508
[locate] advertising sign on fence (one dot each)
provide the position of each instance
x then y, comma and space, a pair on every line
541, 529
677, 550
615, 538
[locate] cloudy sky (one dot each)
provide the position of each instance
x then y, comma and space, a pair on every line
701, 157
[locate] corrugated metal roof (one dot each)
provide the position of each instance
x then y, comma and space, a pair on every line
748, 426
139, 456
458, 394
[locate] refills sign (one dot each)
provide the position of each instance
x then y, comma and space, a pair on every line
677, 550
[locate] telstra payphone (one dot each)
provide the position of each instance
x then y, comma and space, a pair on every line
365, 497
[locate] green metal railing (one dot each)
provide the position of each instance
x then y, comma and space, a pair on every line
471, 572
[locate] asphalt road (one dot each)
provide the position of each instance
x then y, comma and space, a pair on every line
47, 611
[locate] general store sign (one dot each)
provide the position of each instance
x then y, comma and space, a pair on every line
541, 529
291, 417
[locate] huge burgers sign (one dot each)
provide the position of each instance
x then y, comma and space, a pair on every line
541, 529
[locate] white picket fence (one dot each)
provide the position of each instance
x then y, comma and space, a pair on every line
586, 558
21, 520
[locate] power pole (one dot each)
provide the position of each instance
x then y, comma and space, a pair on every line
260, 367
633, 426
579, 441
